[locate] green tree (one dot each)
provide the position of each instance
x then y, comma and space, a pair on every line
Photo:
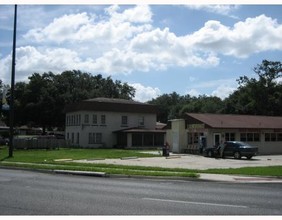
42, 100
261, 95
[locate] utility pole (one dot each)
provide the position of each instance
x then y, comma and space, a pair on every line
11, 142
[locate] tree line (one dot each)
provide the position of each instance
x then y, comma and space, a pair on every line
41, 100
260, 95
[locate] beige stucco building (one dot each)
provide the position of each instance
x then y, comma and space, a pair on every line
195, 131
104, 122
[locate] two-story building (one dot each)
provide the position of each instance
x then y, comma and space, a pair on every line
107, 122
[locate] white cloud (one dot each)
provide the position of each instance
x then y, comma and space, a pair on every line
138, 14
193, 92
122, 42
223, 91
221, 88
82, 27
144, 93
247, 37
218, 9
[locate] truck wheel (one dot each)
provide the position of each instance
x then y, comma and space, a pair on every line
237, 155
249, 157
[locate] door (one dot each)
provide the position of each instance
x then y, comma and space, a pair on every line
216, 139
229, 149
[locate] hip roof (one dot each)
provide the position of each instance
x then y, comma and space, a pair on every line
236, 121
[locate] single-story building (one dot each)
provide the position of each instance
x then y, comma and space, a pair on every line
108, 122
196, 131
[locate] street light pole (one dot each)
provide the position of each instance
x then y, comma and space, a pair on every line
11, 142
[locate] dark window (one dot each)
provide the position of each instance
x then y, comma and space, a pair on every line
86, 119
77, 138
279, 137
148, 139
95, 120
141, 121
103, 119
137, 139
250, 137
123, 120
229, 136
95, 138
267, 137
273, 136
243, 137
257, 137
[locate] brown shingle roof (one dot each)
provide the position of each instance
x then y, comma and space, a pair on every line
237, 121
111, 105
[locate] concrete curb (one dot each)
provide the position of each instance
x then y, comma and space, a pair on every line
224, 178
82, 173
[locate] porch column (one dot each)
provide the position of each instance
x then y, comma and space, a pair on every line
129, 140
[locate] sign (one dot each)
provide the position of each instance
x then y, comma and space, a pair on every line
196, 126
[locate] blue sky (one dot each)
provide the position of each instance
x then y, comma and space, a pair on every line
189, 49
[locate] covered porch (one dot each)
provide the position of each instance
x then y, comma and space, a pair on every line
140, 138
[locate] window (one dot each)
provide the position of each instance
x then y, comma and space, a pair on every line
273, 137
250, 137
123, 120
95, 120
196, 138
243, 137
267, 137
72, 138
256, 137
98, 138
229, 136
279, 137
141, 121
103, 119
77, 138
95, 138
86, 119
190, 138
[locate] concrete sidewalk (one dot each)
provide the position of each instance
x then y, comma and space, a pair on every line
189, 161
185, 161
203, 163
238, 178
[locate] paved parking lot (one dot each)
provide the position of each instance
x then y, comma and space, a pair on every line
194, 161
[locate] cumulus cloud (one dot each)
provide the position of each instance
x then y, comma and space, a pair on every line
217, 9
223, 91
247, 37
83, 27
193, 92
144, 93
124, 41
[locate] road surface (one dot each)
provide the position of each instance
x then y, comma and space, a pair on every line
35, 193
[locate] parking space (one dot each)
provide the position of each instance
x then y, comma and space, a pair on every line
194, 161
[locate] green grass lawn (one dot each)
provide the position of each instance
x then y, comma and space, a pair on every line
44, 159
42, 156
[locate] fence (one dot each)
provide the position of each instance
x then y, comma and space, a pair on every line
40, 143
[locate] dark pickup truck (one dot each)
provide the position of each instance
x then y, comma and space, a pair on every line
234, 149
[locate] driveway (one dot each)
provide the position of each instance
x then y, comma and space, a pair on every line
193, 161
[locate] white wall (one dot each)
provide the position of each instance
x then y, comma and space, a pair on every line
113, 123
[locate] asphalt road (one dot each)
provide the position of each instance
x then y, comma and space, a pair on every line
34, 193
